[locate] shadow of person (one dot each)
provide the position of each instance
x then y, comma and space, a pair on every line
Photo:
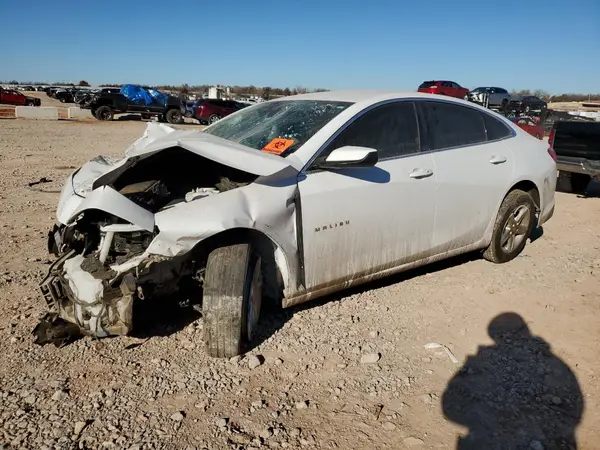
515, 394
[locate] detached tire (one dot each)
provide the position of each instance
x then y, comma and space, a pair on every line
513, 226
174, 116
104, 113
575, 183
232, 299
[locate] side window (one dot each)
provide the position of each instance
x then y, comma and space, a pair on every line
391, 129
494, 128
450, 125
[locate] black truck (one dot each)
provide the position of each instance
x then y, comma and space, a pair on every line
104, 105
577, 147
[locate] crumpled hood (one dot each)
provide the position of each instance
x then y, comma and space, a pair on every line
158, 137
100, 171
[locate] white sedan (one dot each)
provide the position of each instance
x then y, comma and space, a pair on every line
290, 200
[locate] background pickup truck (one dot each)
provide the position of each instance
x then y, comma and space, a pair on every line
12, 97
105, 105
577, 147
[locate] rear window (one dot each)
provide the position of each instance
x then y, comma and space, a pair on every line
427, 84
450, 125
495, 129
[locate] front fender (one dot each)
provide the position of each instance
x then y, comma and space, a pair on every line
257, 207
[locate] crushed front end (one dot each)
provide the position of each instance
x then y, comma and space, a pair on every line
81, 287
106, 226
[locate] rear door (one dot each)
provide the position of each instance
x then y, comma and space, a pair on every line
446, 88
229, 107
16, 98
456, 90
497, 95
359, 221
474, 166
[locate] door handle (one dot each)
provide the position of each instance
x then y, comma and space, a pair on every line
421, 173
497, 159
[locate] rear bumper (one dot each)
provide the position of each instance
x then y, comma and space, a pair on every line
547, 215
578, 165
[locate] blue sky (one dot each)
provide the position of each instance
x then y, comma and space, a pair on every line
379, 44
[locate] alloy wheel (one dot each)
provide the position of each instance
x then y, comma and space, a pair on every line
515, 228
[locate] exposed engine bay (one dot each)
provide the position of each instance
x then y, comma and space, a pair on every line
101, 269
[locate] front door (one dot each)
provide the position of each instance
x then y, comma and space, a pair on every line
473, 163
359, 221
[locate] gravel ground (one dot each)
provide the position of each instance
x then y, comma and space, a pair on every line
347, 371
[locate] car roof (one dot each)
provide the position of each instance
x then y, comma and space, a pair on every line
359, 96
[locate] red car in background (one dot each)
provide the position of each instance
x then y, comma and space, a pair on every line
529, 125
210, 111
449, 88
12, 97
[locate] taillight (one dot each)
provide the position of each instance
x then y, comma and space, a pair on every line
552, 154
551, 138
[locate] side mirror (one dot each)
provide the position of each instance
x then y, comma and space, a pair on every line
350, 156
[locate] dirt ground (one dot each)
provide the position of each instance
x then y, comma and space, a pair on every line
350, 371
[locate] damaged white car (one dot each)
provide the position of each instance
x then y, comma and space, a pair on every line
291, 199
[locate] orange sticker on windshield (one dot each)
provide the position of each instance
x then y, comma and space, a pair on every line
278, 145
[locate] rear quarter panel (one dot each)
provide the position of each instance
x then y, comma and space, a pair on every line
533, 163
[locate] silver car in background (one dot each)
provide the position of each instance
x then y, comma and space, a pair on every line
496, 97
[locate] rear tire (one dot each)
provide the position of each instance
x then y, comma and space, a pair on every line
232, 299
574, 183
174, 116
30, 104
104, 113
213, 119
513, 226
